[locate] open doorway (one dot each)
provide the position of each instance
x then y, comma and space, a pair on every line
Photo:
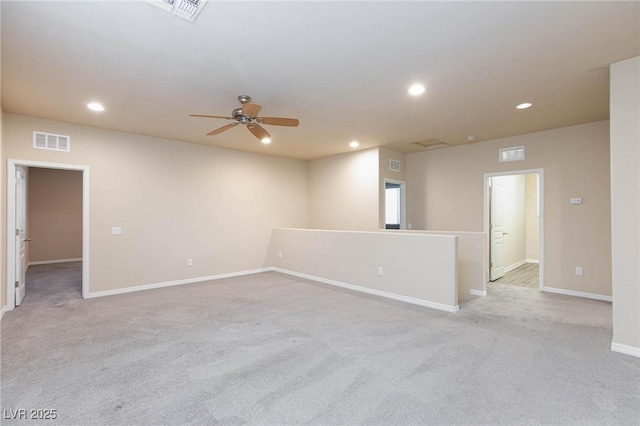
514, 220
18, 238
395, 204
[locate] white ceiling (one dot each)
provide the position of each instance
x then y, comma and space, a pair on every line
341, 68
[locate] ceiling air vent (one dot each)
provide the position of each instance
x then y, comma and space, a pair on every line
430, 144
52, 142
394, 165
185, 9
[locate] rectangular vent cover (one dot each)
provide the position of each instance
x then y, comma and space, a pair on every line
430, 144
52, 142
515, 153
394, 165
185, 9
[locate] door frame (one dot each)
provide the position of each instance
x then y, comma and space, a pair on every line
403, 201
11, 221
486, 220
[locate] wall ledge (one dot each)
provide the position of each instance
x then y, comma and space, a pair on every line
625, 349
153, 286
406, 299
593, 296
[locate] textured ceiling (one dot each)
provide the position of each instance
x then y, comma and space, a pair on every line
341, 68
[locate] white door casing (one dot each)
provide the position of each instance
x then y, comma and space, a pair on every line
11, 252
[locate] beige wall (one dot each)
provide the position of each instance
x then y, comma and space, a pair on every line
531, 217
173, 200
54, 214
625, 202
384, 155
472, 262
344, 191
3, 261
445, 192
416, 266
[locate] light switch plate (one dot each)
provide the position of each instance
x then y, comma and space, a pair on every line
116, 230
575, 201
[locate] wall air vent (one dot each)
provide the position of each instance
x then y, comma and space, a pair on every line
52, 142
430, 144
394, 165
515, 153
185, 9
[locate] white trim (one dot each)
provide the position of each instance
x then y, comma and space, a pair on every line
11, 221
533, 260
407, 299
153, 286
540, 173
2, 311
47, 262
625, 349
478, 292
593, 296
515, 266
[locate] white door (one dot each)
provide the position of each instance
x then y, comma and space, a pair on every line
496, 230
20, 232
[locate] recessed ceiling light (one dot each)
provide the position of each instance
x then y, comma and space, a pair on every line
416, 89
95, 106
354, 144
524, 105
265, 141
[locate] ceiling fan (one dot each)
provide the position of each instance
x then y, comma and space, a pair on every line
247, 114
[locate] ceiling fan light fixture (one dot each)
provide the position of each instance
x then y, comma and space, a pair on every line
417, 89
265, 141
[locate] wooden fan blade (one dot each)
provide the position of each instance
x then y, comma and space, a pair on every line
251, 109
210, 116
222, 129
279, 121
258, 131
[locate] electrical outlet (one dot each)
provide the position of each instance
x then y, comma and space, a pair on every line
189, 262
579, 271
280, 254
380, 270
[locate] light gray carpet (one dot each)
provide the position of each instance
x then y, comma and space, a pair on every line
270, 349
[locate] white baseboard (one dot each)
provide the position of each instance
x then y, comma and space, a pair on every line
515, 265
407, 299
625, 349
532, 261
125, 290
2, 311
47, 262
478, 292
578, 294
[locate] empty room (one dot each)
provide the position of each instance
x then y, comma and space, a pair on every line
313, 212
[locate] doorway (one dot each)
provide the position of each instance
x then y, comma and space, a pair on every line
16, 214
513, 222
394, 204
